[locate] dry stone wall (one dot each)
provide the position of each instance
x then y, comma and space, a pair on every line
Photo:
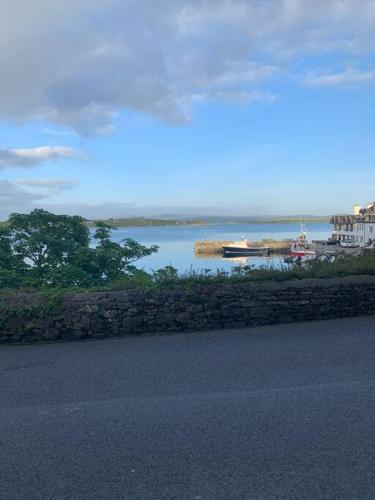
28, 317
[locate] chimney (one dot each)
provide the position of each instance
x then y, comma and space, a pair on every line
357, 208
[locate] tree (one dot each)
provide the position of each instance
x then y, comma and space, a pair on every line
42, 248
12, 268
43, 241
116, 259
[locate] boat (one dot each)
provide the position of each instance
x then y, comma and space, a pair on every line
244, 248
301, 247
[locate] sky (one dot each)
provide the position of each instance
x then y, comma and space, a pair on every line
116, 108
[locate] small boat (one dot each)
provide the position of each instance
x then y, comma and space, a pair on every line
243, 248
301, 247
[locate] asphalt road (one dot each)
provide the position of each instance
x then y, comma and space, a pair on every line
282, 412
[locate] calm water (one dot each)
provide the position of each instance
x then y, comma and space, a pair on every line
177, 243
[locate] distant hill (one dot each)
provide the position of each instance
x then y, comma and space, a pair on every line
144, 222
263, 219
185, 220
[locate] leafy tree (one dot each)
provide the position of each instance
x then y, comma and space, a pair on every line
46, 241
12, 268
116, 259
42, 248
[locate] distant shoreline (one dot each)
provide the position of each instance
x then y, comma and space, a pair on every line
150, 222
184, 223
140, 222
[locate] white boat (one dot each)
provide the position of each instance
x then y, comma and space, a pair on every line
301, 247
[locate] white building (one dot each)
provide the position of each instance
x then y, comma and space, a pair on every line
358, 228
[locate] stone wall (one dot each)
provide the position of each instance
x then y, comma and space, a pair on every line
30, 317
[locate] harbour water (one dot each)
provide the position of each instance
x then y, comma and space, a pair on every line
177, 243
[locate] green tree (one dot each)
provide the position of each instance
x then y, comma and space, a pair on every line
42, 248
115, 260
44, 241
12, 268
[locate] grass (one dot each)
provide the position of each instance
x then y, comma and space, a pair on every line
343, 266
168, 277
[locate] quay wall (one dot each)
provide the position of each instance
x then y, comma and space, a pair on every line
32, 317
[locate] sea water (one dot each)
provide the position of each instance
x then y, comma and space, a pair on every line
176, 243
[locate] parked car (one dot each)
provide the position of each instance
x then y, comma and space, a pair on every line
330, 242
349, 244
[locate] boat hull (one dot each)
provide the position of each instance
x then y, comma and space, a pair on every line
302, 253
233, 251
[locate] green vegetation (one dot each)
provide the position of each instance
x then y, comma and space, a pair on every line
41, 249
345, 265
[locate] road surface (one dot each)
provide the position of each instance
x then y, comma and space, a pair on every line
280, 412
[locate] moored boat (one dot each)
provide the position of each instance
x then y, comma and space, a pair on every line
244, 248
301, 247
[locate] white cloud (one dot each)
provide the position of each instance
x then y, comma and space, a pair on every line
59, 133
31, 157
77, 63
348, 78
13, 198
49, 185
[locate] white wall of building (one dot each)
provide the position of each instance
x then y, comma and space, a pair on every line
362, 233
357, 227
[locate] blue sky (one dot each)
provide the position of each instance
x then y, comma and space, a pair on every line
248, 108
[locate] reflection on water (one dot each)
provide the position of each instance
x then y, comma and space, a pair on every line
177, 243
255, 261
238, 261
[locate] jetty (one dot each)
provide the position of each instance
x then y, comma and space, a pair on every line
215, 247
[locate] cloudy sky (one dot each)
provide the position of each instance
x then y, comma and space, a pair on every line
122, 107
